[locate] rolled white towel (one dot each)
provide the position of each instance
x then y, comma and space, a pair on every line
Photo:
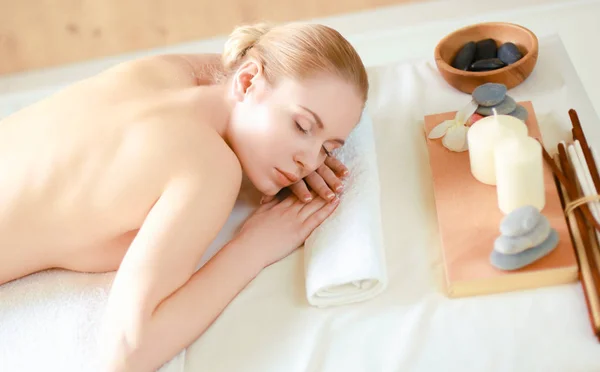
345, 257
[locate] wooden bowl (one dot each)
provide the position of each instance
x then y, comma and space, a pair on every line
501, 32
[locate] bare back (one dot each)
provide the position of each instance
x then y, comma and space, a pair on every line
79, 172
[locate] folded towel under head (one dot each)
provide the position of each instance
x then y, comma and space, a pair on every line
344, 257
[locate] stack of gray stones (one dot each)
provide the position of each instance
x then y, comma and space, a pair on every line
526, 236
490, 96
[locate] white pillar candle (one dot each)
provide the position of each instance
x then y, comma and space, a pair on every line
519, 174
482, 138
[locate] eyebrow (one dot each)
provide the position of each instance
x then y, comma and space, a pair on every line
320, 123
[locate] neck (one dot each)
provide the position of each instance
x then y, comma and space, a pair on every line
217, 108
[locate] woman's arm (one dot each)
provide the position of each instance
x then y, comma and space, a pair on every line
185, 315
157, 304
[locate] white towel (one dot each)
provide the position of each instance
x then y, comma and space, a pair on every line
49, 321
344, 257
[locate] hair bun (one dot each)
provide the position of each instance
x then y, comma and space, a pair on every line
240, 41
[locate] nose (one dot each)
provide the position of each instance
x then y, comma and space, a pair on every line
308, 160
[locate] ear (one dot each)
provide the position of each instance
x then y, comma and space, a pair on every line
246, 79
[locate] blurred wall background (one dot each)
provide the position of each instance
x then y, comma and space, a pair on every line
44, 33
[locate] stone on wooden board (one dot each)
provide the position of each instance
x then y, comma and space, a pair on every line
517, 244
520, 221
507, 106
520, 113
517, 261
489, 94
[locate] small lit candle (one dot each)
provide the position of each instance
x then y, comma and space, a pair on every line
519, 174
482, 138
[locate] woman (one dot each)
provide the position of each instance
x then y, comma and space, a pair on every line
138, 168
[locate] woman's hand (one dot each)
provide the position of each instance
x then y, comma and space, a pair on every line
277, 228
325, 181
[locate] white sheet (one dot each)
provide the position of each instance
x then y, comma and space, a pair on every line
270, 327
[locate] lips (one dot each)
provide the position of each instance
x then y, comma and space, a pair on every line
289, 176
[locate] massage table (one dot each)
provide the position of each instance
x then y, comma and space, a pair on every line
48, 321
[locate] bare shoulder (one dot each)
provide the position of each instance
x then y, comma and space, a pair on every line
171, 70
211, 160
206, 68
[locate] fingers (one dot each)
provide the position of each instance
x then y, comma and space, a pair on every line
267, 198
318, 184
309, 208
301, 191
317, 218
325, 181
265, 206
287, 202
336, 166
330, 178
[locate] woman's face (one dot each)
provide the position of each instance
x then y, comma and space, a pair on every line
282, 133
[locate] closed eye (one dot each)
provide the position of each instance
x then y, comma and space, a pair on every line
301, 129
306, 132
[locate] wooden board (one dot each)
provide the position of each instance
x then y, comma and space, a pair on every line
469, 220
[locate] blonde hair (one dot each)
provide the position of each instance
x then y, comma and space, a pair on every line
295, 50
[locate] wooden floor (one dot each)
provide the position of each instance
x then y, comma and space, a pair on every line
42, 33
